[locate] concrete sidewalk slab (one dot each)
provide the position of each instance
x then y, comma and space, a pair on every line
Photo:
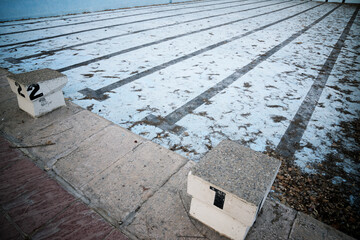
4, 89
67, 134
308, 228
165, 215
125, 186
274, 222
96, 154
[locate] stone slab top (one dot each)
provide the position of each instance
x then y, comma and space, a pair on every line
238, 170
36, 76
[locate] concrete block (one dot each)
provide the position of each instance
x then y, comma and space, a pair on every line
216, 219
120, 190
38, 92
234, 181
232, 206
82, 165
308, 228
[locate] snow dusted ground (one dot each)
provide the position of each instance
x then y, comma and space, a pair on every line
255, 109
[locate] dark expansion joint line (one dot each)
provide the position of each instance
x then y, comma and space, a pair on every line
158, 41
51, 52
104, 27
105, 12
290, 141
111, 18
99, 94
168, 123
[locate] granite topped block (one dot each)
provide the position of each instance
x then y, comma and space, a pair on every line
37, 76
239, 170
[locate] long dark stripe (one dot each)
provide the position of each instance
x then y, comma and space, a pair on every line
156, 42
105, 19
51, 52
168, 123
98, 94
108, 26
291, 139
104, 12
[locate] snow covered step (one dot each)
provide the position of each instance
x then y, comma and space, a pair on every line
230, 184
38, 92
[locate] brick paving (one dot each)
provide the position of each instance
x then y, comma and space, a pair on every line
34, 206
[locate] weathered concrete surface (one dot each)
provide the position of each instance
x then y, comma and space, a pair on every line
81, 166
4, 89
122, 188
67, 134
274, 222
308, 228
37, 76
23, 127
165, 215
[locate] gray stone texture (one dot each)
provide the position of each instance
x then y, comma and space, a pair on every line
239, 170
66, 135
122, 188
308, 228
81, 166
36, 76
165, 215
274, 222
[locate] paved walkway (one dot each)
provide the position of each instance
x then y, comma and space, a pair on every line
34, 206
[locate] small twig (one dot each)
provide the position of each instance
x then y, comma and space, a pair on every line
187, 213
32, 146
180, 236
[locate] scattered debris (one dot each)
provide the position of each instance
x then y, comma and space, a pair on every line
48, 143
90, 108
88, 75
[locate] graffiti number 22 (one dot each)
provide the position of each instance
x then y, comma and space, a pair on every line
34, 88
